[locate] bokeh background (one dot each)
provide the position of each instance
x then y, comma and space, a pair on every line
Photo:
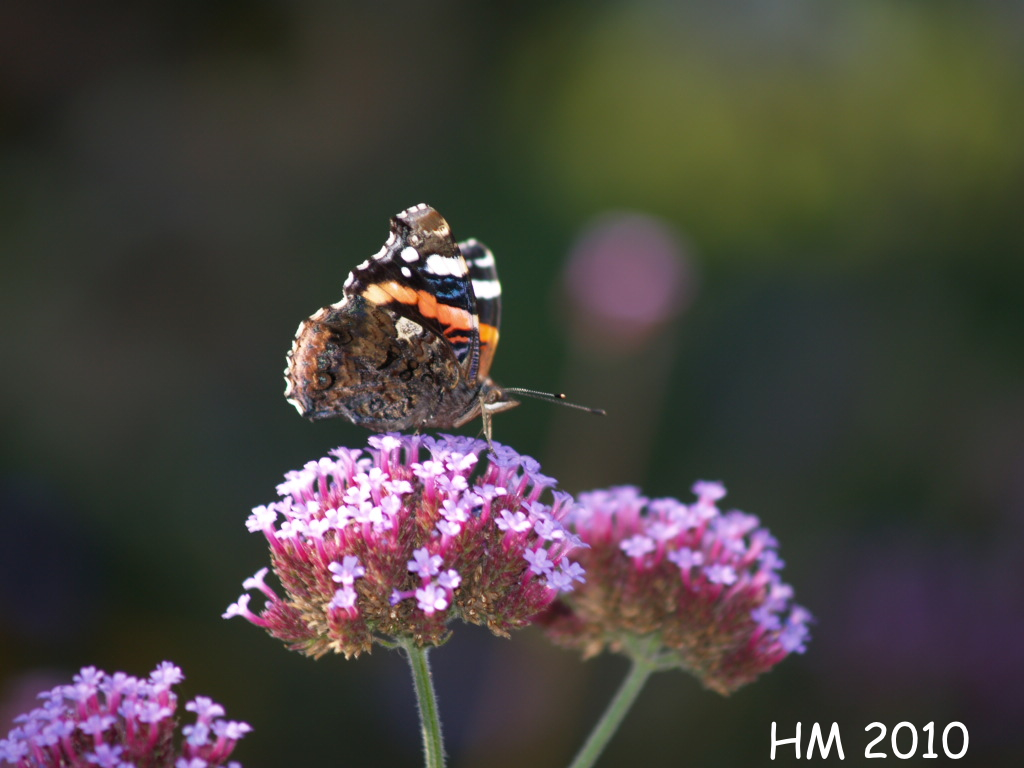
781, 242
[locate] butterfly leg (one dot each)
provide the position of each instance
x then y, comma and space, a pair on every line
485, 416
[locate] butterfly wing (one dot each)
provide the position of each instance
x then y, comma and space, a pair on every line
362, 362
487, 291
420, 274
411, 342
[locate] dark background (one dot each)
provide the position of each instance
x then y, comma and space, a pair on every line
842, 184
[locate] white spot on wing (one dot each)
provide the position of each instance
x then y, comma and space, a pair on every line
485, 261
410, 254
381, 253
413, 209
487, 289
445, 265
406, 272
364, 264
407, 329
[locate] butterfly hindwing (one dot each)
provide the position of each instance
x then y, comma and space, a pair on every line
487, 291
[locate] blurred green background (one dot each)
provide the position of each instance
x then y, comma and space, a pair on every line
182, 182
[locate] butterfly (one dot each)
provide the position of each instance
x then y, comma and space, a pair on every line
411, 342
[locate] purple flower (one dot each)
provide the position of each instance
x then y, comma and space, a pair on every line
706, 584
106, 756
119, 721
95, 725
538, 560
347, 571
345, 598
685, 558
432, 598
718, 573
205, 708
449, 579
165, 675
514, 521
424, 563
637, 546
416, 531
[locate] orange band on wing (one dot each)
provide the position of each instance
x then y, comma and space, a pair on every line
385, 293
488, 335
488, 345
448, 317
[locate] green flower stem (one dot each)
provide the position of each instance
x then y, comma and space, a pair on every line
643, 666
426, 699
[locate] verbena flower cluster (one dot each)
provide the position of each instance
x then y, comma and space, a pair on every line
397, 542
704, 583
119, 721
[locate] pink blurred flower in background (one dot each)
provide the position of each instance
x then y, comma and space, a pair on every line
627, 276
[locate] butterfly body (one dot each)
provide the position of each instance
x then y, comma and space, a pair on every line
410, 344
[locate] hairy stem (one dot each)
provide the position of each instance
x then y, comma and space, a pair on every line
426, 700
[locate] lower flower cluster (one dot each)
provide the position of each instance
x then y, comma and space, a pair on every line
705, 584
119, 721
398, 542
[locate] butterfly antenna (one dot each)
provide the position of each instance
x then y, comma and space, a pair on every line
553, 397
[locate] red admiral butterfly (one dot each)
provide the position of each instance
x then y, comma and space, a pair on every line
411, 342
